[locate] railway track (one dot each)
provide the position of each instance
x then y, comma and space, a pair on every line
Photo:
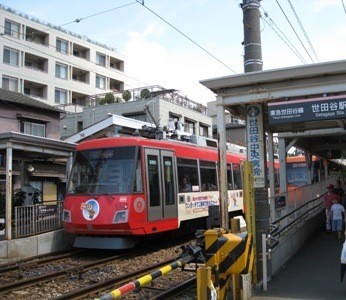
78, 279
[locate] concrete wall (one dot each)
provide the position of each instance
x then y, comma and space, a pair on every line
28, 247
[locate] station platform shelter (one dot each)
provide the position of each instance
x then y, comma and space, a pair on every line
302, 107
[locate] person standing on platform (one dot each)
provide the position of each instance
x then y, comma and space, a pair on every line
338, 214
340, 191
328, 202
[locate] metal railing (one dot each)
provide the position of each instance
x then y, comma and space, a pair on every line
286, 232
36, 219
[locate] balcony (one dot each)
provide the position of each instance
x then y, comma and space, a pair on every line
81, 51
35, 90
36, 63
116, 85
36, 36
80, 75
117, 64
79, 99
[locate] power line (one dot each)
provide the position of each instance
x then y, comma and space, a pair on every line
96, 14
282, 36
302, 28
190, 39
294, 31
343, 5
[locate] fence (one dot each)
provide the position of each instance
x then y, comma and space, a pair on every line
35, 219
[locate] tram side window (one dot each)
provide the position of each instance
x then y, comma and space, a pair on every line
238, 183
208, 175
168, 180
230, 179
137, 183
187, 168
154, 184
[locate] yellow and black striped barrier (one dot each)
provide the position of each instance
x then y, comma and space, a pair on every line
192, 254
227, 254
115, 294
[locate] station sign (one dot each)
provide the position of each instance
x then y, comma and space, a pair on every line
316, 109
255, 144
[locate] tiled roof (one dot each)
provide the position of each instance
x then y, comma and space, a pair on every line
25, 100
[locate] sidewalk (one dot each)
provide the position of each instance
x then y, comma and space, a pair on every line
313, 273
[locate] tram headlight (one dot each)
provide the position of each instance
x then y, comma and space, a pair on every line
121, 216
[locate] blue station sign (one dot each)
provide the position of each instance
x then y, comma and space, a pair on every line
316, 109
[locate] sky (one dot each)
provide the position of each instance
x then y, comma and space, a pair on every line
177, 43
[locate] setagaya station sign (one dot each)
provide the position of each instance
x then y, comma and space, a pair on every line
316, 109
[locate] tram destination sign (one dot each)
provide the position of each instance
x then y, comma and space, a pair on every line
316, 109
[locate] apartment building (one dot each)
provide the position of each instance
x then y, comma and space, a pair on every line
54, 65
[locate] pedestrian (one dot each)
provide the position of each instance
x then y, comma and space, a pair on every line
340, 191
338, 216
328, 202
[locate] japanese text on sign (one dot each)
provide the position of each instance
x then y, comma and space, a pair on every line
255, 144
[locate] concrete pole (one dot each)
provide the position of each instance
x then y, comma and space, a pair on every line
8, 233
222, 166
252, 36
253, 62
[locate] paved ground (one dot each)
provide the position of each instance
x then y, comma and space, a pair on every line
313, 273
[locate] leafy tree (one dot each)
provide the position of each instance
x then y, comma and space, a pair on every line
127, 95
109, 98
145, 94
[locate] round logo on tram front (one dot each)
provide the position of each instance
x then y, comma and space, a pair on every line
139, 205
90, 209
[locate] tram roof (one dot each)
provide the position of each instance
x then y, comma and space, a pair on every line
182, 149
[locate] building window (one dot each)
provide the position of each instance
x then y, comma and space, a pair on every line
60, 71
11, 56
61, 46
10, 84
60, 96
35, 129
137, 116
189, 126
12, 28
203, 130
100, 82
101, 59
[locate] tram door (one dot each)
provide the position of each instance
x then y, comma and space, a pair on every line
161, 185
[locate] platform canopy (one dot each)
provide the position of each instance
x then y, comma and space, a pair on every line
305, 104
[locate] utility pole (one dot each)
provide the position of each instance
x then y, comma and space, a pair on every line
252, 36
255, 133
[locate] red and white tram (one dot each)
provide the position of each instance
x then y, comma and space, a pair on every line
122, 189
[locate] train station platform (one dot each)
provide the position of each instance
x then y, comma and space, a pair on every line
312, 273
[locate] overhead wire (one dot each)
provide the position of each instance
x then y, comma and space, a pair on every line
59, 59
186, 36
77, 21
289, 22
303, 30
343, 5
96, 14
281, 35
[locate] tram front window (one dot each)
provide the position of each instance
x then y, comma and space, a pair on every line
105, 171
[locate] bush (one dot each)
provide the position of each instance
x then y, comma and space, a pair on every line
145, 94
109, 98
127, 95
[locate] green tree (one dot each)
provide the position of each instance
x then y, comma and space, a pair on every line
127, 95
145, 94
109, 98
